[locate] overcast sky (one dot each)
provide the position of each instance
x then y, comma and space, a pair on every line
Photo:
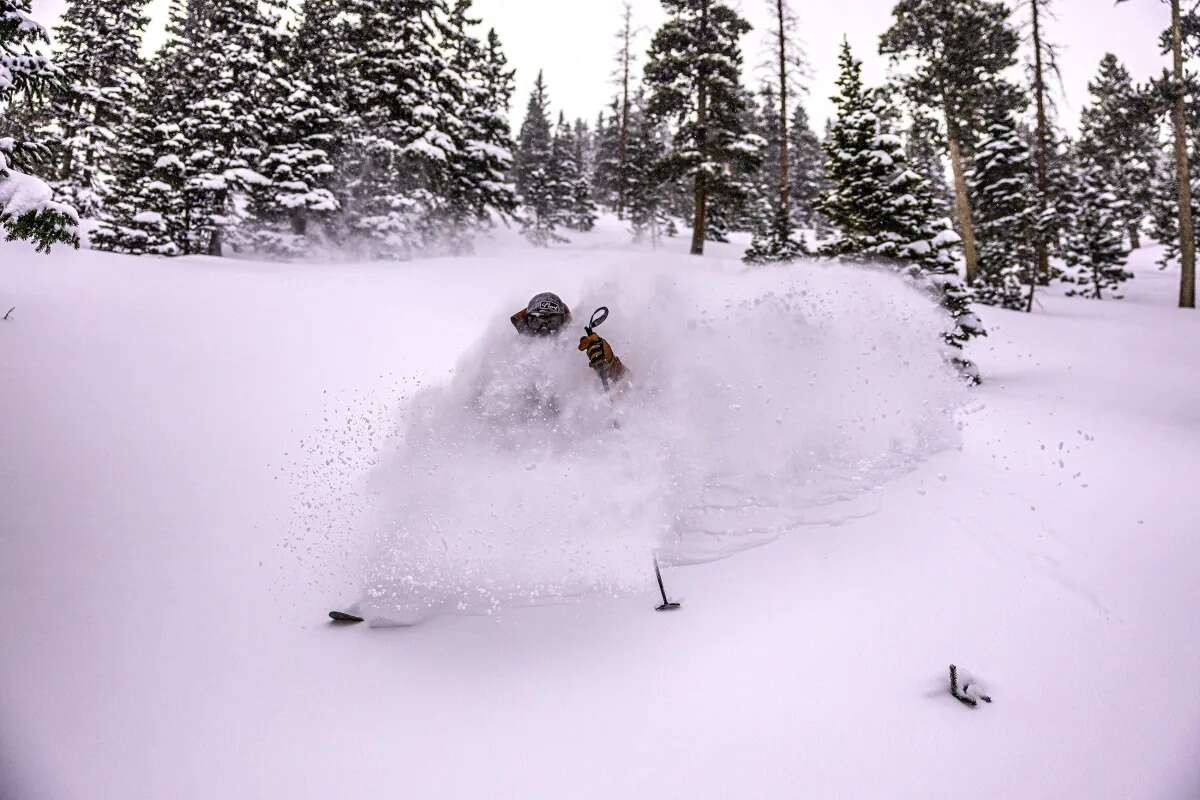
574, 42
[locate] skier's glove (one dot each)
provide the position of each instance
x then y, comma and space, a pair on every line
601, 357
599, 352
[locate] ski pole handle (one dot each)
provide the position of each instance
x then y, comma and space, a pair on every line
598, 316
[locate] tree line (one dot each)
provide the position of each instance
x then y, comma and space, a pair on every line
383, 129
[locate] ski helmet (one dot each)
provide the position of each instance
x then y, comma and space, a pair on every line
546, 313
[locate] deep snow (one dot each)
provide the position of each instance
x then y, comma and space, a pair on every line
186, 444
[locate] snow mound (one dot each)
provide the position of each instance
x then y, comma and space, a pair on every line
759, 402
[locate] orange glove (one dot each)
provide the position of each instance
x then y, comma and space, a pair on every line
601, 357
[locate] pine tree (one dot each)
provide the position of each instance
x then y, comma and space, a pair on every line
776, 238
206, 117
924, 148
807, 169
152, 206
541, 194
573, 193
143, 209
958, 51
302, 136
1117, 133
97, 50
481, 85
1157, 99
585, 148
1002, 189
1094, 243
405, 136
625, 62
693, 74
1176, 83
608, 187
1061, 195
234, 60
884, 209
648, 198
855, 180
27, 210
492, 140
1047, 221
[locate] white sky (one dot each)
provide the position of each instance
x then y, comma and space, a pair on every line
574, 42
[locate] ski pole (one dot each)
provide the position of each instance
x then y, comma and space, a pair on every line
589, 329
598, 316
667, 605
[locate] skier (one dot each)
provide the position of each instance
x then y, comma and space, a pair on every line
546, 315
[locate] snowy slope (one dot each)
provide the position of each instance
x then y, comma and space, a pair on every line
171, 428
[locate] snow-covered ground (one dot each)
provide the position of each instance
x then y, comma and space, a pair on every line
197, 455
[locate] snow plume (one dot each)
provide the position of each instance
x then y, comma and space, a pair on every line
759, 402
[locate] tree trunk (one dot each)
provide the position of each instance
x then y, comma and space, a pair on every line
962, 202
1187, 244
214, 242
1041, 250
626, 35
1135, 237
700, 214
784, 187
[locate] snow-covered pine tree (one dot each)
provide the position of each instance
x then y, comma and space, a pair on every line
1164, 201
924, 146
1118, 134
491, 139
883, 208
1157, 98
27, 208
480, 86
1094, 243
302, 134
1182, 40
693, 74
144, 207
573, 194
1002, 192
807, 169
538, 186
1061, 196
405, 134
235, 57
585, 149
855, 180
149, 205
742, 207
648, 201
776, 239
97, 48
956, 50
606, 162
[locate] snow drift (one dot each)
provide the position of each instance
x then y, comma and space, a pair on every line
759, 402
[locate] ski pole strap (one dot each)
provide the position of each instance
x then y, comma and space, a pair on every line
598, 316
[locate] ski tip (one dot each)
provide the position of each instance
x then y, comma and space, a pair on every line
342, 616
667, 607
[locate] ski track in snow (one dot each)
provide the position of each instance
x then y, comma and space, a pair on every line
192, 460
